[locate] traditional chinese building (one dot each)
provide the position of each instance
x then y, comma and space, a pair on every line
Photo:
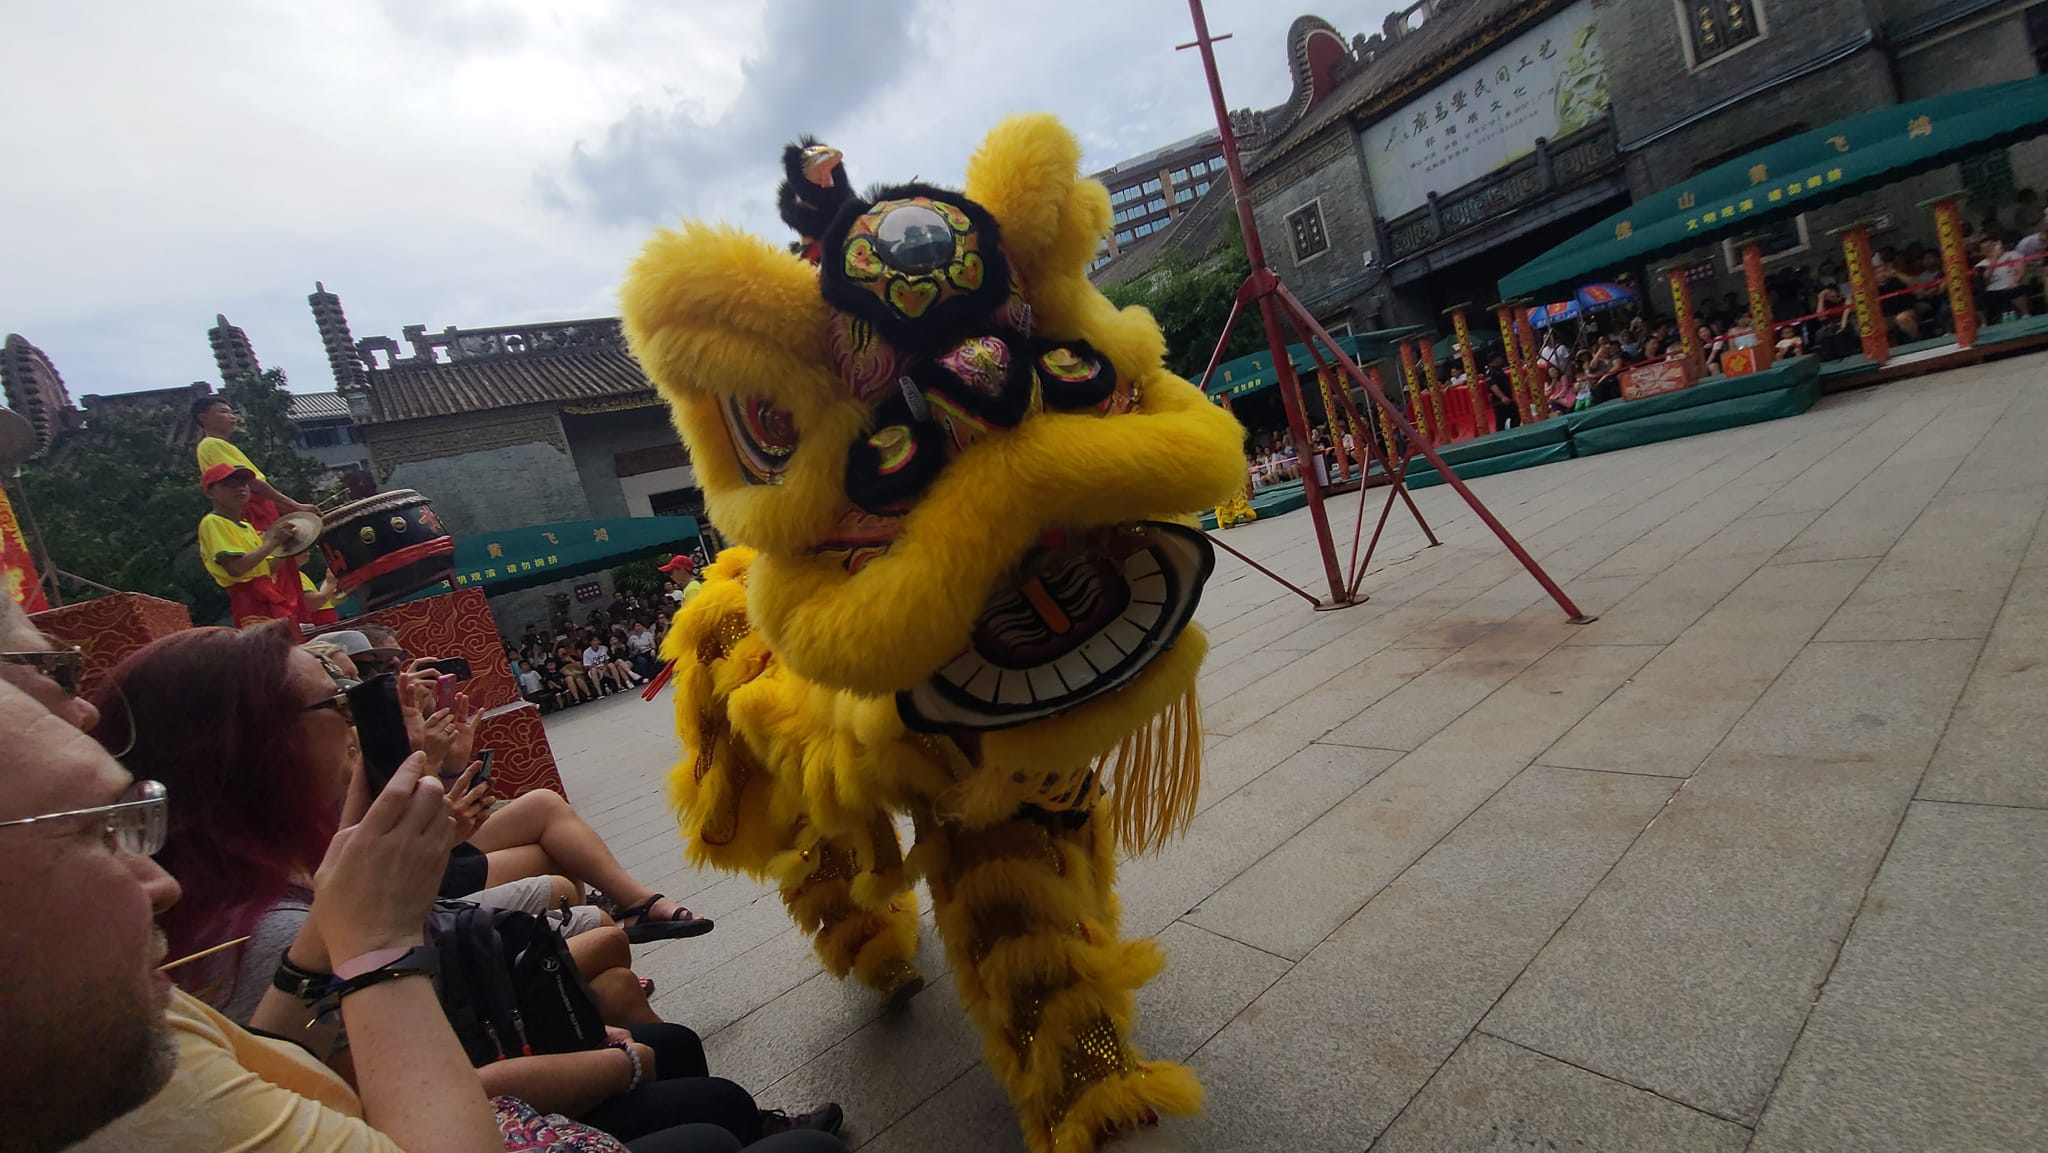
511, 426
1411, 168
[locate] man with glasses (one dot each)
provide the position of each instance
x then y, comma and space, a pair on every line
50, 676
81, 1003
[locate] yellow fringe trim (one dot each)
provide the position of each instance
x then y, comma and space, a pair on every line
1154, 777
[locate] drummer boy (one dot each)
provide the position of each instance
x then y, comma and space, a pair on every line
239, 558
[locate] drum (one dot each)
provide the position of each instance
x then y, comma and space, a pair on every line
387, 546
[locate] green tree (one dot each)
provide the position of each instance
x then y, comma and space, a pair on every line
1191, 301
119, 502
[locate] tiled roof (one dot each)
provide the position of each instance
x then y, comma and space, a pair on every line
318, 406
409, 391
1457, 31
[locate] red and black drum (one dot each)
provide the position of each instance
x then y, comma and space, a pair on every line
387, 546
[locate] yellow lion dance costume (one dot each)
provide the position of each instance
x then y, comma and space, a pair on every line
960, 481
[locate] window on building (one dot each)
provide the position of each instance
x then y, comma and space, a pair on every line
1198, 168
319, 437
1714, 28
1099, 262
1124, 237
1183, 195
1152, 185
1142, 230
1215, 162
1156, 204
1201, 186
1180, 176
1305, 231
677, 502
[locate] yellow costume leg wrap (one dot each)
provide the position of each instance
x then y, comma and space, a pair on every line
1031, 926
875, 944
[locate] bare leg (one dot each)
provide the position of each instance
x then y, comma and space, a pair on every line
542, 818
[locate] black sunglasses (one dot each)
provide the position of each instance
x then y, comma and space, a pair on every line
64, 666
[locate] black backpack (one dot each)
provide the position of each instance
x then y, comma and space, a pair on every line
508, 984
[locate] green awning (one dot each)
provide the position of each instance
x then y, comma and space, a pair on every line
501, 562
1794, 175
1255, 372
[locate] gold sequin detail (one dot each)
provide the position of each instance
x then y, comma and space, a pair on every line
834, 864
724, 636
1026, 1008
1098, 1052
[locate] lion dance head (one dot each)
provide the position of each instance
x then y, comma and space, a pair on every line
961, 485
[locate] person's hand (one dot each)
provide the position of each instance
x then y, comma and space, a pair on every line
356, 800
467, 720
468, 803
613, 1035
380, 875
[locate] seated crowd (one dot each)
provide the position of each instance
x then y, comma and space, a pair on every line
214, 799
617, 648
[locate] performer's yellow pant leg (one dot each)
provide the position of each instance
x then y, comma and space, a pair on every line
1031, 927
874, 944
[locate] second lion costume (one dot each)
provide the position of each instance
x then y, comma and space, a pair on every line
961, 484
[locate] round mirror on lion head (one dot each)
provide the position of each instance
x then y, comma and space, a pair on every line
914, 238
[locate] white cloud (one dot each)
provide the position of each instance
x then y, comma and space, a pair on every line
477, 162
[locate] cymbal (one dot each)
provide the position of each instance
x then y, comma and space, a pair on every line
295, 533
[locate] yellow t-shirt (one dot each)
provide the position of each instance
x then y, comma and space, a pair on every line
217, 535
235, 1092
213, 450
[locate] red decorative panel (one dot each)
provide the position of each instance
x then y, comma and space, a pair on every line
524, 761
457, 624
113, 626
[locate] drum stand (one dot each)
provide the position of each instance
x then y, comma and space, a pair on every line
1264, 288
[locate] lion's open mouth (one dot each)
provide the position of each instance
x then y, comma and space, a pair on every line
1081, 616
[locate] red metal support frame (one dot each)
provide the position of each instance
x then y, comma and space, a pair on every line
1273, 298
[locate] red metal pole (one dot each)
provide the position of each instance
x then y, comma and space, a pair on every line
1457, 483
1261, 285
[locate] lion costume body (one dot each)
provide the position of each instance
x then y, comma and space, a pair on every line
959, 480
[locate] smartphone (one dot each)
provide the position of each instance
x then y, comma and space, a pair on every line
380, 727
457, 667
446, 686
483, 773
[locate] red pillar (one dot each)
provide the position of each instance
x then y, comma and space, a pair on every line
1688, 327
1539, 402
1441, 431
1482, 409
1518, 379
1877, 347
1418, 406
1955, 267
1373, 415
1759, 304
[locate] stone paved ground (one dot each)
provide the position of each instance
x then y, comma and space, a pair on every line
1758, 860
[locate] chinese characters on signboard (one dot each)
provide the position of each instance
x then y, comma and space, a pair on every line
1549, 81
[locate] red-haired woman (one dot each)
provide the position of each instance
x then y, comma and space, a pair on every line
259, 738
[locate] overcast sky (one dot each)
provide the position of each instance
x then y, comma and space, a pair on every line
480, 162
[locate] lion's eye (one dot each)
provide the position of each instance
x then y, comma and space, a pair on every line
763, 437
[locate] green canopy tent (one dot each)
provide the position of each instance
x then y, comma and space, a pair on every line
1255, 373
1794, 175
502, 562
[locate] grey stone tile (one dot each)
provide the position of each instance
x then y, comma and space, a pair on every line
1241, 758
1298, 673
1492, 1095
971, 1113
1659, 611
1207, 981
1330, 1054
887, 1068
1413, 713
1679, 706
1689, 970
1929, 1032
1230, 835
1870, 520
1948, 574
1755, 535
1662, 546
1337, 700
1991, 753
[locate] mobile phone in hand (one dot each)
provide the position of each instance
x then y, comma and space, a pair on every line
457, 667
446, 686
380, 727
483, 772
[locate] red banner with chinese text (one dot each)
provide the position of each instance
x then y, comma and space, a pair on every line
1955, 267
1863, 286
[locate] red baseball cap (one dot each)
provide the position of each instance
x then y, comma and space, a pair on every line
679, 561
223, 471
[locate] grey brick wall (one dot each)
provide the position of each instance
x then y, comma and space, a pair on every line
1326, 168
596, 441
